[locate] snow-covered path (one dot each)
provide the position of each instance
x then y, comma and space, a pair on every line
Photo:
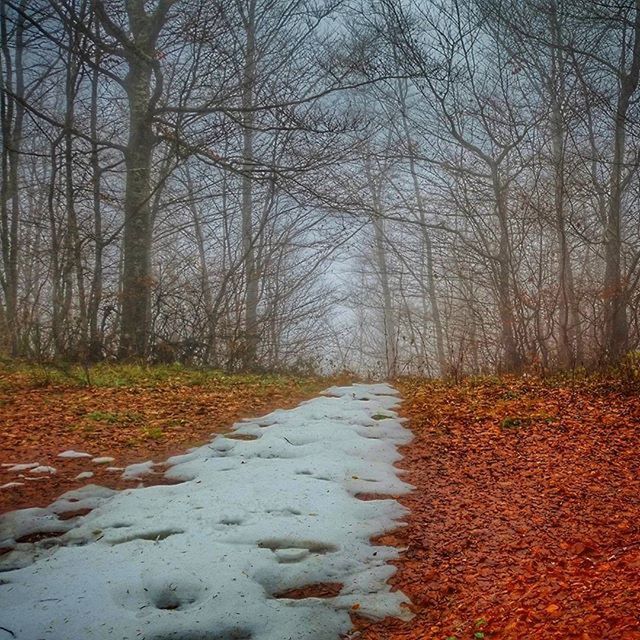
268, 508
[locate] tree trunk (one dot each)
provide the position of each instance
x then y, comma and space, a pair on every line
565, 280
205, 278
95, 295
391, 347
136, 275
74, 250
430, 273
248, 241
139, 51
511, 356
388, 318
426, 236
616, 325
569, 343
12, 117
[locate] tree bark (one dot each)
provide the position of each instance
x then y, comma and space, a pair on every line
428, 247
136, 275
143, 86
251, 272
569, 329
388, 317
616, 324
512, 360
74, 249
95, 294
12, 118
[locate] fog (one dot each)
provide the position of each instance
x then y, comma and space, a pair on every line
381, 186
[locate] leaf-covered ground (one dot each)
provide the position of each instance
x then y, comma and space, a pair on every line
128, 413
525, 521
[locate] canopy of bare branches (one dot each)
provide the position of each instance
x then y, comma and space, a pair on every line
405, 186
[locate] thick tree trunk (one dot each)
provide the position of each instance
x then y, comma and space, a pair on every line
143, 85
57, 285
136, 275
141, 55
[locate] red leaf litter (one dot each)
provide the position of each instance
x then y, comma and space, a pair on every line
525, 520
129, 424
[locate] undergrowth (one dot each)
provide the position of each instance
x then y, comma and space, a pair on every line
16, 374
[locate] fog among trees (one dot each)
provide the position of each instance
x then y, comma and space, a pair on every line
386, 186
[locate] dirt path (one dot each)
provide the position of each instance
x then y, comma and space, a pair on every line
525, 522
256, 515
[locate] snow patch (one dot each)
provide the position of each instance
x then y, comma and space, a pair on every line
88, 497
84, 475
206, 559
102, 460
21, 467
134, 471
25, 522
362, 391
43, 469
70, 453
10, 485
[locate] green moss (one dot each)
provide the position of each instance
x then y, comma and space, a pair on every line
102, 416
152, 433
513, 422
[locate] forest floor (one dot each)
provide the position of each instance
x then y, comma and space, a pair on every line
525, 521
129, 414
